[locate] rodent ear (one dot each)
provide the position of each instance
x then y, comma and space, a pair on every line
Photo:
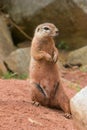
38, 29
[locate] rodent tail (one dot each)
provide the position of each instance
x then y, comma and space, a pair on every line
40, 88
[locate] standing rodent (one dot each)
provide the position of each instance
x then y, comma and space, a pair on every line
45, 83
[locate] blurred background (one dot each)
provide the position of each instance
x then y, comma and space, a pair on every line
18, 20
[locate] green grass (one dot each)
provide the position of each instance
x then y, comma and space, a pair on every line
63, 45
10, 75
75, 87
83, 69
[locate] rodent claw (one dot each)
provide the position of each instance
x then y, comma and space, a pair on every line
68, 115
35, 103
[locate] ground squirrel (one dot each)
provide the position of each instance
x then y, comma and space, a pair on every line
45, 83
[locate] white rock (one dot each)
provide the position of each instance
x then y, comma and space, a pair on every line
79, 109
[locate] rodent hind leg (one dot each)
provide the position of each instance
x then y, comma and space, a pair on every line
38, 94
62, 100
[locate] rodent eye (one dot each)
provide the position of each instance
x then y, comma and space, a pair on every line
46, 28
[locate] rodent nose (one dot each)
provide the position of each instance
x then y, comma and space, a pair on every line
57, 32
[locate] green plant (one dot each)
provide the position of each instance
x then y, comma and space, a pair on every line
7, 75
62, 45
22, 76
10, 75
76, 87
83, 69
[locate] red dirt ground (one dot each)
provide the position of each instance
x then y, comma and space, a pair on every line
17, 112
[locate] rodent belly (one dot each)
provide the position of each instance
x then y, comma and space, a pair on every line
42, 71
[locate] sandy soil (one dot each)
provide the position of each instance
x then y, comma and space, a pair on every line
17, 112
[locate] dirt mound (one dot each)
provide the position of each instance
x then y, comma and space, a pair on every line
17, 112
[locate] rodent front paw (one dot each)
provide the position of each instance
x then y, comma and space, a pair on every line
55, 58
49, 58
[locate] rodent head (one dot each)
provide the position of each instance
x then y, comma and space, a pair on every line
46, 30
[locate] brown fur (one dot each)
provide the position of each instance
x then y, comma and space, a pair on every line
45, 83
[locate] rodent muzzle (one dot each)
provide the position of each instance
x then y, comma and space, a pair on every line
57, 32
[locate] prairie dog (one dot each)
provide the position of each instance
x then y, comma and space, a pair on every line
45, 83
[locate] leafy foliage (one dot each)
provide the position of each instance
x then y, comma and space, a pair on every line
10, 75
63, 45
83, 69
76, 87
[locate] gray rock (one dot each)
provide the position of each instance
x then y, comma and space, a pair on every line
3, 69
6, 44
78, 56
82, 4
69, 15
79, 109
18, 61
